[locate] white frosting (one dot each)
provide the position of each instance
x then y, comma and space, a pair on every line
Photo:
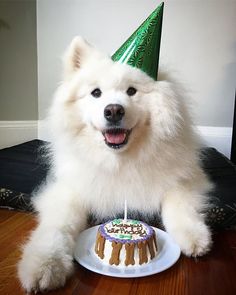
108, 251
130, 230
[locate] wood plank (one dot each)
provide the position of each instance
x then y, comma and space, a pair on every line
212, 274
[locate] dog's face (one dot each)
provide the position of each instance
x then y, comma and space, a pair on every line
112, 103
109, 102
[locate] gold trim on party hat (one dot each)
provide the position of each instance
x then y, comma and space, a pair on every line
141, 49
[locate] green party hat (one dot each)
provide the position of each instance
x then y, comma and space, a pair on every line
141, 49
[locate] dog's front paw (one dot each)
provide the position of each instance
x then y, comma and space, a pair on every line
42, 273
194, 241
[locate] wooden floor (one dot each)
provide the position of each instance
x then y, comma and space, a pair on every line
213, 274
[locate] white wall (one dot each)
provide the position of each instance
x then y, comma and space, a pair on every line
199, 40
18, 60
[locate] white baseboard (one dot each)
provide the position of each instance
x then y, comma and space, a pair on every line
16, 132
217, 137
43, 131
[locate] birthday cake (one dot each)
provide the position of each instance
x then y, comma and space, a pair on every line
125, 243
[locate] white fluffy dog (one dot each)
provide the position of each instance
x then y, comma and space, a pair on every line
118, 134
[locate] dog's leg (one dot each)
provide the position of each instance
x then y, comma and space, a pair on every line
184, 222
47, 258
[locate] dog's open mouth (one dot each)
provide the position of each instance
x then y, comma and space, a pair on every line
116, 137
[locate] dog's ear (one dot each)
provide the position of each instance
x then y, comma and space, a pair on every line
76, 55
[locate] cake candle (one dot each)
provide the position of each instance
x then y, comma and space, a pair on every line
125, 211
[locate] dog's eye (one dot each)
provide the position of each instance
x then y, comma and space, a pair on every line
131, 91
96, 93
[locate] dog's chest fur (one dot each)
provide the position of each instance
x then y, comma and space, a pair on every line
104, 190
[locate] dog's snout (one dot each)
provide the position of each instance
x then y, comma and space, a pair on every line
114, 112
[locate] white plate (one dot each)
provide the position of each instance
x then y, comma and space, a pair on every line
168, 254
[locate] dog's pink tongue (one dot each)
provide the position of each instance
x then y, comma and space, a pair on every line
115, 138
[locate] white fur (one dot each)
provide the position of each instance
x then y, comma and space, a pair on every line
158, 169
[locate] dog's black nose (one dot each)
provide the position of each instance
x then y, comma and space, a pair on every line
114, 112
